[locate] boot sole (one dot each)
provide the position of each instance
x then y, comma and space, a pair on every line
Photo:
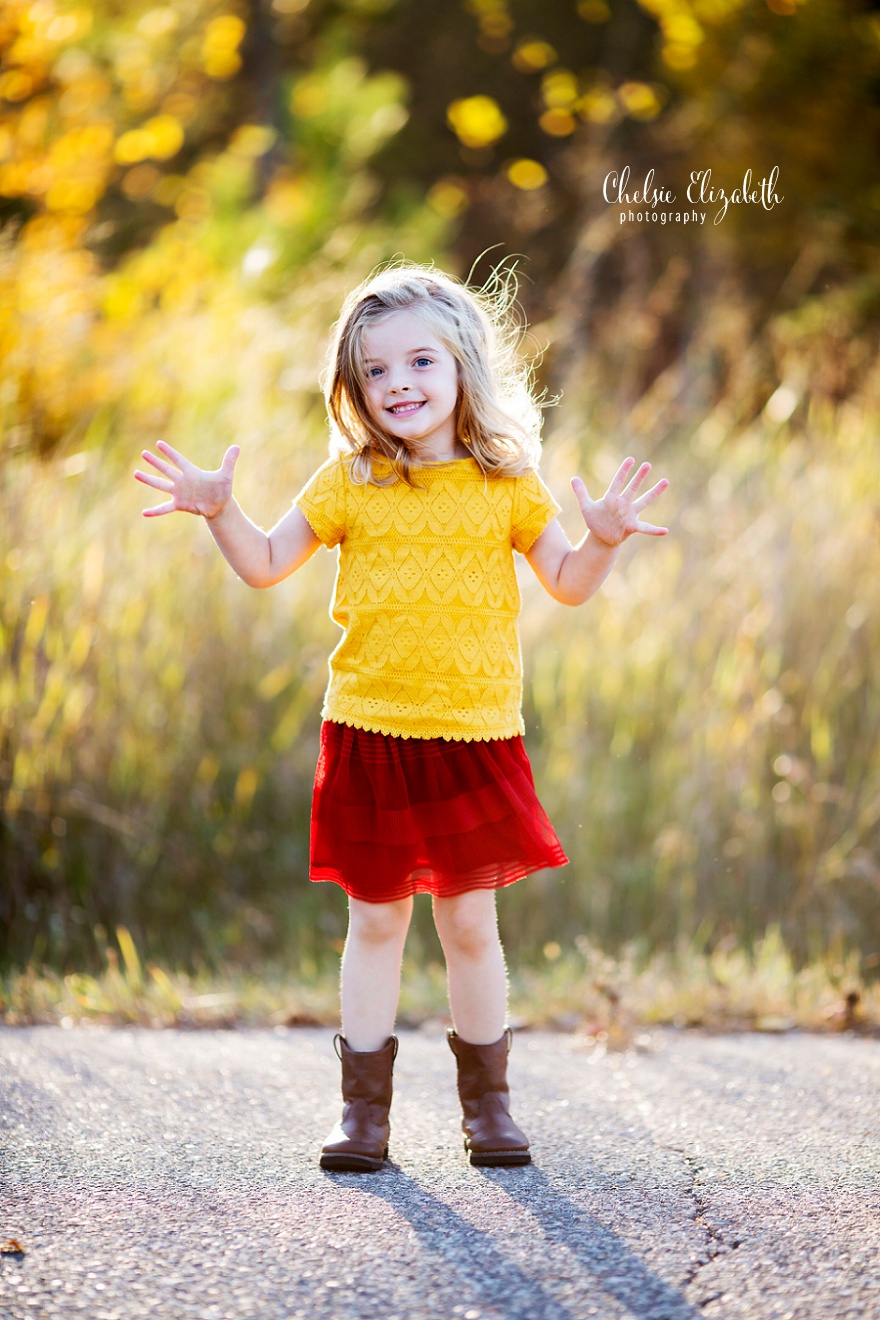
492, 1159
339, 1163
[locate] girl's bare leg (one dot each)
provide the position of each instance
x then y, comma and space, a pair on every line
477, 977
371, 964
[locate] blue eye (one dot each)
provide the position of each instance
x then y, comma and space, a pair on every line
372, 371
423, 362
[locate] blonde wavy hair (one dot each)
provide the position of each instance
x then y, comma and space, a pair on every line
498, 416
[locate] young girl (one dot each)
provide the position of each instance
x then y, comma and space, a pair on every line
423, 784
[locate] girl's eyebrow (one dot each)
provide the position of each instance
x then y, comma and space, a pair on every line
408, 353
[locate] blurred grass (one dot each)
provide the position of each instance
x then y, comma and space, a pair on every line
704, 732
581, 990
155, 770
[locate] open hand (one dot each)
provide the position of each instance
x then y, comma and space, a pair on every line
616, 516
192, 490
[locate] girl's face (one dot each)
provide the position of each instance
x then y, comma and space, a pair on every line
411, 385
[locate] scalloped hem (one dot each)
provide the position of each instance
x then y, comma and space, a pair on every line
390, 732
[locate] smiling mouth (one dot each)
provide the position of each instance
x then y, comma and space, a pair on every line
405, 409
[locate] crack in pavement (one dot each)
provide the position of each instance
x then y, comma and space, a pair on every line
716, 1244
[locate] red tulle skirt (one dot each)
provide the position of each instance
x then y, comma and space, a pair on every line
398, 816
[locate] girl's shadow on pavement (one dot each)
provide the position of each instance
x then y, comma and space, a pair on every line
591, 1253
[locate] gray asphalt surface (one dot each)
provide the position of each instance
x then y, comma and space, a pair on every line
174, 1174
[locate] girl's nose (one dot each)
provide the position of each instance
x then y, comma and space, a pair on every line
397, 380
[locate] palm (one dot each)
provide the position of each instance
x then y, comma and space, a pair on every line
616, 516
192, 489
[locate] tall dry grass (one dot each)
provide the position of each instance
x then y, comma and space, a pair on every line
704, 732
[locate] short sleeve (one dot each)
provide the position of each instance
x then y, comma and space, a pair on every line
322, 501
533, 508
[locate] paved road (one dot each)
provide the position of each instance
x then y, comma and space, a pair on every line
174, 1175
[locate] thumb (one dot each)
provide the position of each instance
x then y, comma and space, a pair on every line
229, 460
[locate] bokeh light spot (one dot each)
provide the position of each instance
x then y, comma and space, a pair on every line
448, 198
139, 182
531, 56
158, 22
477, 121
223, 35
252, 140
16, 85
527, 174
558, 123
559, 89
599, 107
594, 11
639, 100
132, 146
165, 136
677, 56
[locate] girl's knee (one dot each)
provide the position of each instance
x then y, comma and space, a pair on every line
467, 924
379, 923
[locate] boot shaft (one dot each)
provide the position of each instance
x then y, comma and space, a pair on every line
481, 1068
367, 1075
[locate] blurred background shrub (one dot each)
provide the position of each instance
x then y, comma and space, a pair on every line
186, 193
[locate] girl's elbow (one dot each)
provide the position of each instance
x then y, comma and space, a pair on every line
258, 583
563, 589
558, 594
275, 574
267, 575
569, 597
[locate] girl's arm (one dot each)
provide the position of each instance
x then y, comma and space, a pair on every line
573, 574
259, 559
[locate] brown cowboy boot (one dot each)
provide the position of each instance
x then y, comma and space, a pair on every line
359, 1141
491, 1136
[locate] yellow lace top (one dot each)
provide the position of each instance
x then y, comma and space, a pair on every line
427, 595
